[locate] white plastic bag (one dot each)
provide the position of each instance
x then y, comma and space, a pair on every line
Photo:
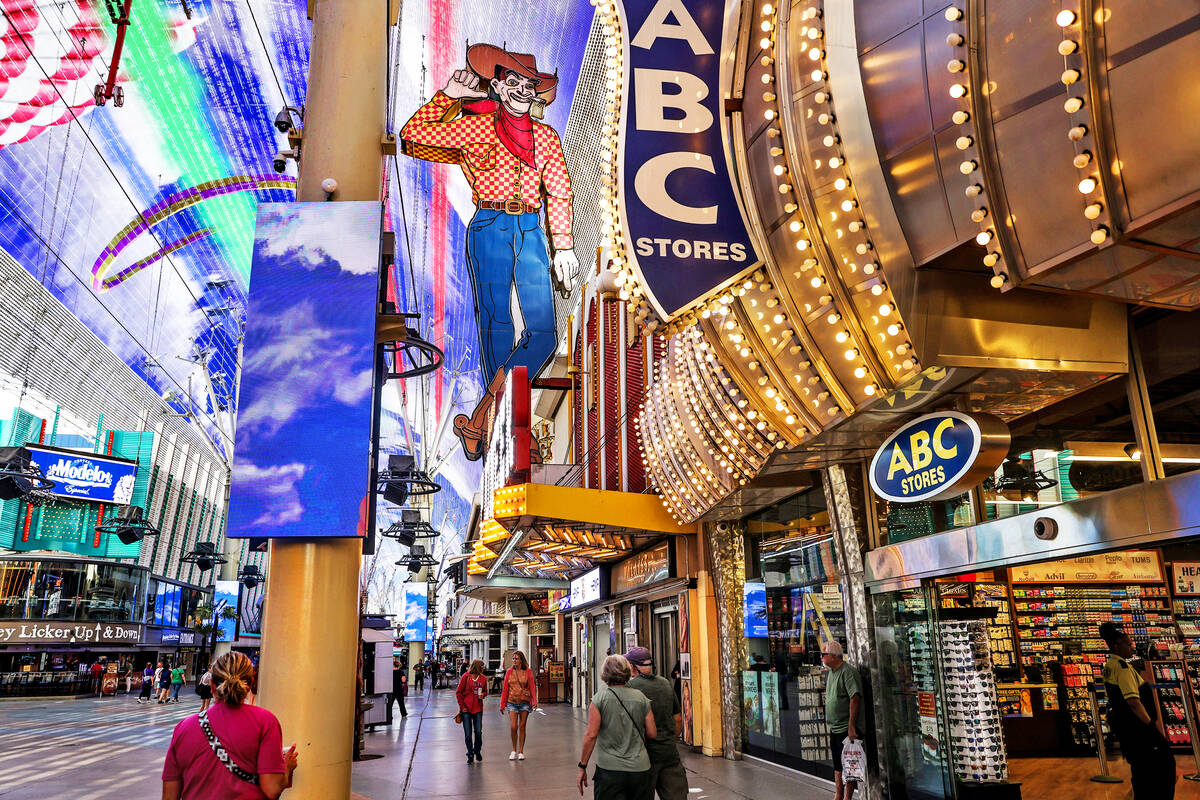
854, 762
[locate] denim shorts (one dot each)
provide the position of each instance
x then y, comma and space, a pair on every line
527, 707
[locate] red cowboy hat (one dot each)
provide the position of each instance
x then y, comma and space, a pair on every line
484, 58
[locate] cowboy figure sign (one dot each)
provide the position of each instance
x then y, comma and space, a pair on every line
482, 122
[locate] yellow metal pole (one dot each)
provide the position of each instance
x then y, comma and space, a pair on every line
310, 629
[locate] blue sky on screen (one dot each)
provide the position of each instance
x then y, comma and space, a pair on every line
225, 595
303, 435
415, 610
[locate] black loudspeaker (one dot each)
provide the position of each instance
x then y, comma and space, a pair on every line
14, 486
395, 493
410, 516
401, 462
406, 536
129, 534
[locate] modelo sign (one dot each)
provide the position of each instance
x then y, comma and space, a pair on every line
938, 456
101, 479
684, 226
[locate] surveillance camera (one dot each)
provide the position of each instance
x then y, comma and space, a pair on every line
1045, 528
329, 185
283, 121
280, 161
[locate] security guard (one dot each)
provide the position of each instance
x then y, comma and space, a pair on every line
1132, 715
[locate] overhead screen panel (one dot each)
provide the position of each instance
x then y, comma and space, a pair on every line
301, 458
416, 602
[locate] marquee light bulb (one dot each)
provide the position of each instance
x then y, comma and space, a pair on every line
841, 337
956, 65
1076, 133
1065, 17
963, 142
840, 184
851, 354
1093, 210
1100, 235
1073, 104
991, 259
999, 279
953, 14
885, 310
848, 205
869, 389
979, 214
955, 40
764, 43
795, 225
1087, 186
1070, 76
833, 318
983, 237
817, 75
958, 90
1066, 47
817, 281
860, 372
960, 117
967, 167
1083, 159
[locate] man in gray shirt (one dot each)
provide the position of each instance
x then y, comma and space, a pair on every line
667, 775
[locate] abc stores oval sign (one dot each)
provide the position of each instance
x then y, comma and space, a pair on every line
938, 456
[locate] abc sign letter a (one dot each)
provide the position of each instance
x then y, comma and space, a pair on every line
651, 178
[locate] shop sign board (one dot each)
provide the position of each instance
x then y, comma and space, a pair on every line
51, 632
937, 456
642, 569
507, 459
1185, 577
85, 476
685, 230
558, 672
1125, 566
587, 588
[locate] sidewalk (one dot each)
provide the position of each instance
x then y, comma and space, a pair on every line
424, 757
101, 749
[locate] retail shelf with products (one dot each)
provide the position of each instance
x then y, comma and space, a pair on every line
1054, 621
814, 732
987, 595
1170, 678
1076, 679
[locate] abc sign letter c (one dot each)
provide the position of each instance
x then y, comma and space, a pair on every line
650, 183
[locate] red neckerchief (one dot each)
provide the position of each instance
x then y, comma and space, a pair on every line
516, 133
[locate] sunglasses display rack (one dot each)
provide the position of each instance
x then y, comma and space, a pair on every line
976, 735
1170, 682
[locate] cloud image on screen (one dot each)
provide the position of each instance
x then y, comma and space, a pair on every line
306, 399
416, 623
225, 595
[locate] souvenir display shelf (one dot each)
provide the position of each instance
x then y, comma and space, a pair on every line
1170, 693
814, 733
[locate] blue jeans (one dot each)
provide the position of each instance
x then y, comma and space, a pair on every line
175, 687
504, 250
473, 731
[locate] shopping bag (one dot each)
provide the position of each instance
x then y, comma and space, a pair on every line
854, 762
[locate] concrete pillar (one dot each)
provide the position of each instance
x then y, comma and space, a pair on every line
310, 631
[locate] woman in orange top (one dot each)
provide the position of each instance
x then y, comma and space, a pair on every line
519, 695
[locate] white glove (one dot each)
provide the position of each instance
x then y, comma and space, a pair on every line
464, 83
566, 270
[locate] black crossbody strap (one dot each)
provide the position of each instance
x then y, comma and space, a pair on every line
222, 754
636, 727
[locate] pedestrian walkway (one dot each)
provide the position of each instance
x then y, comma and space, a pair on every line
100, 749
424, 758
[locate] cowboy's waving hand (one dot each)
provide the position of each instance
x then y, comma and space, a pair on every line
464, 83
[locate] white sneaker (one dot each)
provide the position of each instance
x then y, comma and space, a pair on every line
513, 756
520, 756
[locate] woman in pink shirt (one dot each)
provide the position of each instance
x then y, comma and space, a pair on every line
256, 766
519, 695
472, 688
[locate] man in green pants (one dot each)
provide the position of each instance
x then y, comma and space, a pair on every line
667, 775
844, 712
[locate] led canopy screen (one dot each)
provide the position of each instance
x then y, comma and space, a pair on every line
416, 612
301, 458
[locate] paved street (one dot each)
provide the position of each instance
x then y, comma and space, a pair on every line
102, 749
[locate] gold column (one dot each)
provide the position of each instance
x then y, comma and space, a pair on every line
310, 629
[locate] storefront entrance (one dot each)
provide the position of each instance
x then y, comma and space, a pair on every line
996, 676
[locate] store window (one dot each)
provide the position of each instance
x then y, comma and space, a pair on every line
69, 590
793, 604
